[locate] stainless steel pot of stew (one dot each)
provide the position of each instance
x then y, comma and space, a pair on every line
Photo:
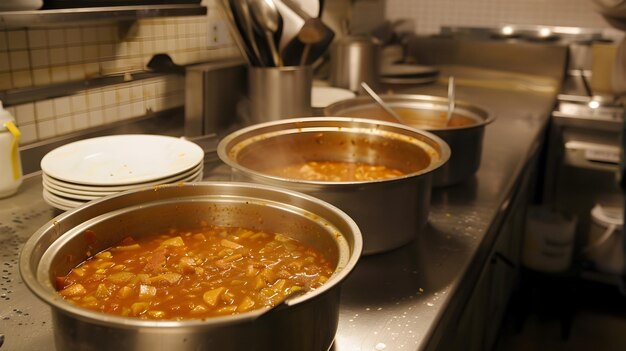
203, 266
378, 172
464, 132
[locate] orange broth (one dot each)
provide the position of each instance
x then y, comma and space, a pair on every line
415, 117
332, 171
204, 273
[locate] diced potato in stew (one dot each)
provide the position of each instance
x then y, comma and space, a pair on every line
332, 171
195, 274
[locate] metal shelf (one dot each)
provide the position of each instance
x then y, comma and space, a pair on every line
36, 93
47, 18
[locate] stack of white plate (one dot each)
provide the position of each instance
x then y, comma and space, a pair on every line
405, 73
89, 169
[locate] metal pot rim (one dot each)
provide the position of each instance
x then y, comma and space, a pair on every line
51, 298
299, 123
460, 105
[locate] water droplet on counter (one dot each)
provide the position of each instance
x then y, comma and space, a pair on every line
430, 304
380, 346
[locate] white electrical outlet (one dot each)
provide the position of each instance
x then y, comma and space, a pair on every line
218, 34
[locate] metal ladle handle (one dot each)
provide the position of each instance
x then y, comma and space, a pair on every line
380, 102
451, 92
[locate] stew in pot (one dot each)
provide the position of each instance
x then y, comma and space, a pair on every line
196, 274
415, 117
331, 171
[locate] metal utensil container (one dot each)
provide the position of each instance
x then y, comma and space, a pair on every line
355, 59
464, 141
390, 212
306, 322
279, 92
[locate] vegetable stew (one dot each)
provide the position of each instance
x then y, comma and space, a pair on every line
331, 171
213, 271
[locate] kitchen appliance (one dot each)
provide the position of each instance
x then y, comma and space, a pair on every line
390, 212
614, 12
583, 143
305, 322
215, 95
582, 161
465, 142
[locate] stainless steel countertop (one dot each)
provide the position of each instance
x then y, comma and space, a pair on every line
392, 301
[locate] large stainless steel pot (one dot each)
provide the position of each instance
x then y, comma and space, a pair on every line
389, 212
465, 142
306, 322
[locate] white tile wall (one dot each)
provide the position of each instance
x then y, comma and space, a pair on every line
95, 107
37, 57
29, 133
430, 15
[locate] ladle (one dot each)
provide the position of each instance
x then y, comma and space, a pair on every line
243, 9
451, 92
381, 103
312, 32
267, 17
312, 41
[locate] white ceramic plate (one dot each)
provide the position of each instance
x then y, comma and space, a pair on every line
91, 189
324, 96
61, 201
408, 81
121, 159
407, 70
92, 195
78, 197
56, 205
65, 202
